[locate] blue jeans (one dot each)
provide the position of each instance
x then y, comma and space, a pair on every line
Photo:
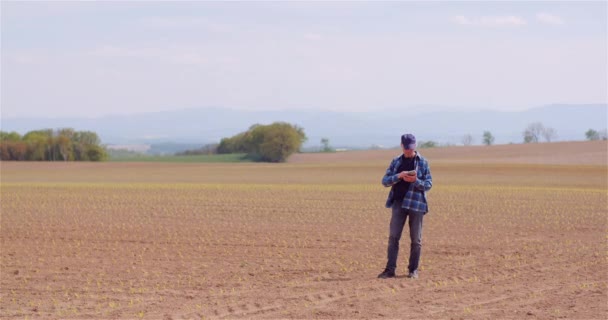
399, 215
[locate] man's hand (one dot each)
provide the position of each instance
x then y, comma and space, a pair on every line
402, 174
405, 177
409, 178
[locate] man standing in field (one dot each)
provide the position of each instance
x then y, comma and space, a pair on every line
409, 177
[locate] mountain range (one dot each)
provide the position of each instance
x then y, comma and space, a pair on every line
343, 129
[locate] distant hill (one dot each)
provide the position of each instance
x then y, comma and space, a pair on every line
344, 129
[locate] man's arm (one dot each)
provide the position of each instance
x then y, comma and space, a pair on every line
426, 183
389, 178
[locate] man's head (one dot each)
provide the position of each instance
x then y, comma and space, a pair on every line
408, 144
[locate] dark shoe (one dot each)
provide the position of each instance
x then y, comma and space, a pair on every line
386, 274
413, 274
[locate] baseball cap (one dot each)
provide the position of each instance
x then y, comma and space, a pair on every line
409, 141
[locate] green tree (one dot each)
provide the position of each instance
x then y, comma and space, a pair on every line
96, 153
592, 135
11, 146
10, 136
81, 142
37, 146
40, 145
234, 144
273, 143
488, 138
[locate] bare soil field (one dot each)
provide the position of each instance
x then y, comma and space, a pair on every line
503, 239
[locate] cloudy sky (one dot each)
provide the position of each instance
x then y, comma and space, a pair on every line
97, 58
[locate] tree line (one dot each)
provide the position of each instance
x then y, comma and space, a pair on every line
65, 144
534, 133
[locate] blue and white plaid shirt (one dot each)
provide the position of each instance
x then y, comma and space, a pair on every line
415, 197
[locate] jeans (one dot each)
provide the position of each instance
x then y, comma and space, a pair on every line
399, 215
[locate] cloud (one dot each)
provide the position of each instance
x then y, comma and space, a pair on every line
548, 18
490, 21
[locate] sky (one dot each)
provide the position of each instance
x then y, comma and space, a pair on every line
89, 59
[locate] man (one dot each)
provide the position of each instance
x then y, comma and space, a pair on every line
409, 177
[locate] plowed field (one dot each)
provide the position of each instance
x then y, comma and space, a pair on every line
510, 239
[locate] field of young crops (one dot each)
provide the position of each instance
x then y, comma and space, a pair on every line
300, 240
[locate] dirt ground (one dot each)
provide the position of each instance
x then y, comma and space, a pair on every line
507, 240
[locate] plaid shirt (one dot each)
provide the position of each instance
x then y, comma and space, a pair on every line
415, 197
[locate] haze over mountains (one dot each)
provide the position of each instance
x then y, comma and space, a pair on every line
344, 129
